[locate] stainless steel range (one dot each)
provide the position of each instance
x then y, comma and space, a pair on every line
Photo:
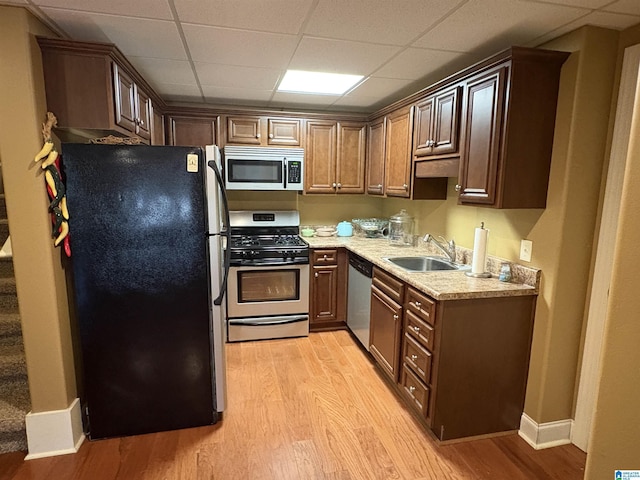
268, 289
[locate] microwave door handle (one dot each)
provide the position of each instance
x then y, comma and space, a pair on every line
225, 232
284, 166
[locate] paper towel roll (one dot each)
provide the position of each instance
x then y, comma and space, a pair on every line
479, 258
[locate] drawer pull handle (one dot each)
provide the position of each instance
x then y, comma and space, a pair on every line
412, 389
414, 357
324, 257
418, 305
416, 329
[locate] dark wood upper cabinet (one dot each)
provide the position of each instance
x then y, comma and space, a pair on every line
335, 156
192, 131
436, 124
375, 156
94, 91
398, 152
258, 130
507, 133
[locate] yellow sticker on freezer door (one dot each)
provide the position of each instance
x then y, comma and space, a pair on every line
192, 163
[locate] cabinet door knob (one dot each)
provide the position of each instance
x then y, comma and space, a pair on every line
458, 188
271, 135
316, 275
395, 317
412, 389
405, 186
414, 357
380, 186
339, 185
324, 257
418, 305
141, 122
334, 185
415, 329
257, 135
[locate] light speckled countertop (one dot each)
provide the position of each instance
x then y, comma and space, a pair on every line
441, 285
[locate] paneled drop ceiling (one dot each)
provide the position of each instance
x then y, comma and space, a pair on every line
235, 51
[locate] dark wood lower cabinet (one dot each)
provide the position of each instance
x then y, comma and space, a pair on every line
386, 328
461, 365
328, 292
481, 365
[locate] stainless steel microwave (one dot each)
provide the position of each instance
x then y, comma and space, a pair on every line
263, 168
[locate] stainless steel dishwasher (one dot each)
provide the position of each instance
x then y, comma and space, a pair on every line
359, 297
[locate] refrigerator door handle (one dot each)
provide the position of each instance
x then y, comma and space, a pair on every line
224, 232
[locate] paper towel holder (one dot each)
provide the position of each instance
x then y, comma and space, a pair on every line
478, 243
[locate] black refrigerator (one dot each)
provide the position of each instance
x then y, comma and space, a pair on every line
146, 269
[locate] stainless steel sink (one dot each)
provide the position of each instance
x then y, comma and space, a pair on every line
425, 264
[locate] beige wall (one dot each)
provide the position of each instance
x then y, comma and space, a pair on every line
615, 434
39, 275
563, 233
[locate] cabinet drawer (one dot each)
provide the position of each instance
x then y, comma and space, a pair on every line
416, 391
418, 358
421, 305
324, 257
420, 331
390, 285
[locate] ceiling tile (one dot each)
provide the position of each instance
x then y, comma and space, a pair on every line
238, 77
624, 6
283, 98
279, 16
362, 103
576, 3
415, 63
164, 70
614, 21
213, 93
237, 47
140, 8
339, 56
134, 36
376, 21
184, 91
488, 26
378, 87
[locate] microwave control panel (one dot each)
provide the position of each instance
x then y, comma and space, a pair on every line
294, 172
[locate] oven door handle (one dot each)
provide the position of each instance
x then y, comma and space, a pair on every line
273, 321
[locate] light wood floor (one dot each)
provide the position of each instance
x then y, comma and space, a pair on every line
311, 408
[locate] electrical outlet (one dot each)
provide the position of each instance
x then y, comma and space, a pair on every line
525, 250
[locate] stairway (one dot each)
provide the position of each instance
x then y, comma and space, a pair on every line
14, 390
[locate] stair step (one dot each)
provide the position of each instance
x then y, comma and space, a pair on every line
13, 364
8, 295
6, 267
10, 329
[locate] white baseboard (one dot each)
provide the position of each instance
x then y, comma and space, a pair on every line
545, 435
57, 432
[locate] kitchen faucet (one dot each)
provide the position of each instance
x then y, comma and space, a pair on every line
449, 249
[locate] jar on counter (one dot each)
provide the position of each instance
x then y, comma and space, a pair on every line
401, 229
505, 272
